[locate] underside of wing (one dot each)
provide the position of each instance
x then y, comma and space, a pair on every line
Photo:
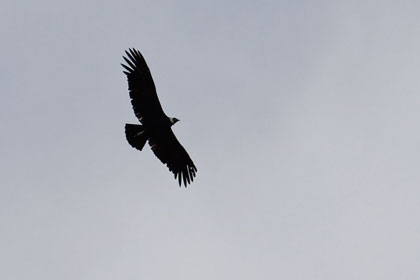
142, 89
170, 152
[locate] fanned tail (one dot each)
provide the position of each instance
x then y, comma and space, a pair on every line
136, 136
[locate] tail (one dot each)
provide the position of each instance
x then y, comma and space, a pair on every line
136, 135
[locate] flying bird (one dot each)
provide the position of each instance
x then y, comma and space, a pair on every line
155, 125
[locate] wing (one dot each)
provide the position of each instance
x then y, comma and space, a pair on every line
142, 89
170, 152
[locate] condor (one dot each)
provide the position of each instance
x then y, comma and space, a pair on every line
156, 126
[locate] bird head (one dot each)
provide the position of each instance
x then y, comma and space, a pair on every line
173, 120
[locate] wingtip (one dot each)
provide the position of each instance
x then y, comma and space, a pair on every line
127, 68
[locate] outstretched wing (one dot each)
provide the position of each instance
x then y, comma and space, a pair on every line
170, 152
142, 89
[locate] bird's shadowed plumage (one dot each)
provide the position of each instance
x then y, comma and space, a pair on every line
156, 126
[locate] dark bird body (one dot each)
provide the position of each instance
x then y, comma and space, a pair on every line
156, 125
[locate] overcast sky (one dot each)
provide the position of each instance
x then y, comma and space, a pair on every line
302, 118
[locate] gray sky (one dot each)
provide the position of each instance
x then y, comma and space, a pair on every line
301, 116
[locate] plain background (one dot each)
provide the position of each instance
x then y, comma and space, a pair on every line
301, 116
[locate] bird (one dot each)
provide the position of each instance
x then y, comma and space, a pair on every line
155, 125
